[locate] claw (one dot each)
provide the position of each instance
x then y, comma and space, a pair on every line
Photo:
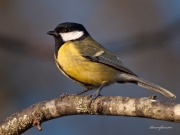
64, 95
96, 93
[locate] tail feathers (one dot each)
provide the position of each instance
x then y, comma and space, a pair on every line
156, 88
151, 86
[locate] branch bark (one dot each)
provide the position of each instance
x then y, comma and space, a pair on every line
77, 105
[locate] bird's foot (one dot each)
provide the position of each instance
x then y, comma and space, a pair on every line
94, 96
64, 95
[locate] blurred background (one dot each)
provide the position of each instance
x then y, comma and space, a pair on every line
144, 34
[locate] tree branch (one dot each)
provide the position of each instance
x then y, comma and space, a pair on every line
77, 105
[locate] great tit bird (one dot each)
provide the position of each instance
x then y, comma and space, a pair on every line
79, 57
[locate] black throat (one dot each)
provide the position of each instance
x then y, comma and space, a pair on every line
58, 43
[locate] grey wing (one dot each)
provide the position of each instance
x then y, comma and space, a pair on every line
110, 60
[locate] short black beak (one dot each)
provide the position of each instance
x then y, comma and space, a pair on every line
53, 33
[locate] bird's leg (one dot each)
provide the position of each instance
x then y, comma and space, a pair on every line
83, 91
97, 92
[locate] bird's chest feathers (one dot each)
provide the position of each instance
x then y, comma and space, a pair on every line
80, 68
69, 57
71, 61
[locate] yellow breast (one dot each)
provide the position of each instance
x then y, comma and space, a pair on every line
82, 69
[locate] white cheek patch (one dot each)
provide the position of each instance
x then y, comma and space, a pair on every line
71, 35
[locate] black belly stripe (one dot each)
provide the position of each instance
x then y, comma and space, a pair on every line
72, 78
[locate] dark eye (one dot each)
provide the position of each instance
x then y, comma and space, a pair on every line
66, 30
